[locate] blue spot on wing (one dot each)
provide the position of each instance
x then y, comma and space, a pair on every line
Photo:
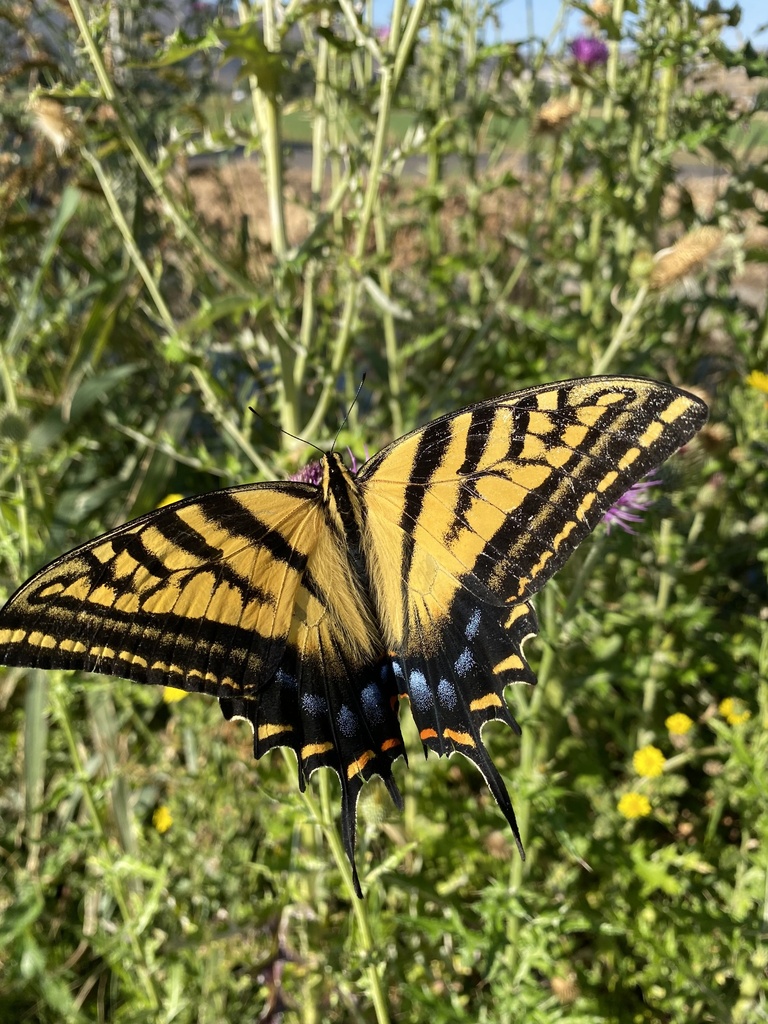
446, 693
373, 703
420, 693
464, 662
283, 678
348, 721
473, 625
314, 704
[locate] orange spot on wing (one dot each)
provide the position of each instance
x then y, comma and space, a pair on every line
459, 737
428, 734
357, 766
389, 744
273, 729
315, 748
490, 700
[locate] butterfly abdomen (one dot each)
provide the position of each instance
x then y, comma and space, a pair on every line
336, 579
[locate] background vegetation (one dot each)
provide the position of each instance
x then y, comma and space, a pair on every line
474, 217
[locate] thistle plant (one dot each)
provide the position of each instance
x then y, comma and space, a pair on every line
478, 213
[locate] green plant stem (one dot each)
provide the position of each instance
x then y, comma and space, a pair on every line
528, 742
141, 157
535, 742
267, 114
661, 604
434, 160
391, 74
129, 241
319, 142
271, 135
496, 310
590, 284
213, 406
116, 887
35, 755
211, 402
324, 816
390, 333
612, 66
601, 363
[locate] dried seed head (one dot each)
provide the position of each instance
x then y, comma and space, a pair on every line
53, 122
691, 253
104, 113
555, 114
565, 990
598, 9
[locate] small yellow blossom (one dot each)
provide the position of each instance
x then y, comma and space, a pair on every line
162, 819
733, 711
679, 724
648, 762
634, 805
171, 695
171, 499
758, 380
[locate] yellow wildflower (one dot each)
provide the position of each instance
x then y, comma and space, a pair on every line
162, 819
634, 805
171, 695
171, 499
733, 711
648, 762
679, 724
758, 380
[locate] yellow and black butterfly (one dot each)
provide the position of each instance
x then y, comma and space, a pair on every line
309, 609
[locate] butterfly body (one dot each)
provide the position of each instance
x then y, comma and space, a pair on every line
310, 609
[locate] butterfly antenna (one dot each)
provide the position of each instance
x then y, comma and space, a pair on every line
349, 410
287, 432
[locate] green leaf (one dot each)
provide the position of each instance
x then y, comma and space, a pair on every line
20, 915
337, 42
245, 43
96, 389
180, 46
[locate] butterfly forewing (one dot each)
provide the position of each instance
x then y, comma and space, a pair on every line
198, 595
308, 610
499, 495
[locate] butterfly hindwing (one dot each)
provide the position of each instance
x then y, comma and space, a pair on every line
455, 674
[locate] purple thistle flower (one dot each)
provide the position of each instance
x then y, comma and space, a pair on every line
312, 473
589, 51
356, 466
636, 500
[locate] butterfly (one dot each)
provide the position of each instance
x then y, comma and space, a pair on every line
310, 609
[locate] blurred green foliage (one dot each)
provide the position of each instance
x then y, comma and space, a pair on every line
151, 870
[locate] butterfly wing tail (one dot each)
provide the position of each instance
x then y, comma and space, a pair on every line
456, 685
